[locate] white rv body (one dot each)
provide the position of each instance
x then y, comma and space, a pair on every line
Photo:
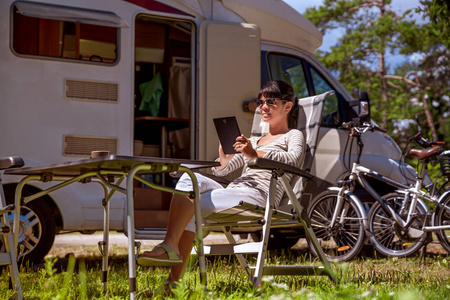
225, 48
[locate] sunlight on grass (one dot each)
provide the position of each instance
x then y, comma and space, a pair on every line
385, 278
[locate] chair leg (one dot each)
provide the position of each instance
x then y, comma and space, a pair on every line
9, 258
13, 268
240, 257
312, 236
265, 233
301, 213
257, 277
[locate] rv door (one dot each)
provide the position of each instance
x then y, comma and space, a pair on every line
229, 75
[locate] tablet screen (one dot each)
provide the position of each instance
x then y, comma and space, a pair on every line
227, 130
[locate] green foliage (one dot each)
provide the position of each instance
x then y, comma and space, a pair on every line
363, 278
439, 13
372, 31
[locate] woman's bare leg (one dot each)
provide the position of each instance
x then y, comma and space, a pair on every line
185, 247
180, 213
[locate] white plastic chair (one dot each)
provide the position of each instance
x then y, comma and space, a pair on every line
289, 213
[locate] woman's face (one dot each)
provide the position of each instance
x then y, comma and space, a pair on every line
274, 112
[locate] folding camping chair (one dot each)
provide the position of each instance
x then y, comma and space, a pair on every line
8, 256
289, 213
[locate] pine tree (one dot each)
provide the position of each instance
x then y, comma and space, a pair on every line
372, 31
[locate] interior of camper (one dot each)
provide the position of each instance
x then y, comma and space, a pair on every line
162, 123
162, 87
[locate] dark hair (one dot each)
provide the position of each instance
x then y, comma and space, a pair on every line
281, 90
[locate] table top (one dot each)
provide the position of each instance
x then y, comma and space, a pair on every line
109, 163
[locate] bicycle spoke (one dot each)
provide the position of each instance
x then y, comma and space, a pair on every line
344, 239
389, 238
348, 240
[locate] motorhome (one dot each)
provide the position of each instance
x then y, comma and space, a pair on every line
147, 77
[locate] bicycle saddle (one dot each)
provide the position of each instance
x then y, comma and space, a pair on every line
426, 153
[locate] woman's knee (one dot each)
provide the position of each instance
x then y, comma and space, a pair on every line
204, 183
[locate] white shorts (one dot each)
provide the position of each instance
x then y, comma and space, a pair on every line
215, 198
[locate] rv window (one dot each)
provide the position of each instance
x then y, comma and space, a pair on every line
290, 70
52, 38
330, 115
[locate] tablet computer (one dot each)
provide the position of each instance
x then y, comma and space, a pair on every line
228, 130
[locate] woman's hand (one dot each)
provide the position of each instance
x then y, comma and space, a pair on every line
244, 146
223, 158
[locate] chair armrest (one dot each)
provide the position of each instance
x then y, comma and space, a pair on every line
268, 164
11, 162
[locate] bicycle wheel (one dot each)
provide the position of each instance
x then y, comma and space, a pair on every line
344, 240
388, 237
441, 218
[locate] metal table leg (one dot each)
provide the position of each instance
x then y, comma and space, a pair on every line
130, 229
104, 244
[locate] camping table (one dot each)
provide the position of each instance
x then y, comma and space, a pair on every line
110, 171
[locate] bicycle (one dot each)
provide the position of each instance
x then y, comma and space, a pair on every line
403, 233
339, 219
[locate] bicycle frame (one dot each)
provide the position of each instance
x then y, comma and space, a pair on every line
360, 173
340, 200
409, 218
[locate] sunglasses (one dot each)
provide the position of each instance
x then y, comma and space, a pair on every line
270, 101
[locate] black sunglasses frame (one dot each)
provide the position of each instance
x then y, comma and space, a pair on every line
270, 101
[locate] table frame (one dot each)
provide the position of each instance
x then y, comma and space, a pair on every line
125, 168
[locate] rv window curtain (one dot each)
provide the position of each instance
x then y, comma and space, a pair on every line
180, 107
70, 14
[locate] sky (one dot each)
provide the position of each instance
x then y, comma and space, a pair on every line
330, 39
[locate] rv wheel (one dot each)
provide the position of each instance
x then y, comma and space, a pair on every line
37, 230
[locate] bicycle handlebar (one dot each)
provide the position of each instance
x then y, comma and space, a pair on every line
359, 130
362, 128
423, 142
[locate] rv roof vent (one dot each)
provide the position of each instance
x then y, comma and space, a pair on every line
91, 90
81, 146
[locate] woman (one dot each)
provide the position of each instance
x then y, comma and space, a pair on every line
279, 107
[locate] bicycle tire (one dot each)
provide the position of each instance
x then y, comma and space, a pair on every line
345, 240
442, 217
388, 238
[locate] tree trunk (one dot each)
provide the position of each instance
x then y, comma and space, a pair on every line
384, 94
382, 73
426, 109
430, 122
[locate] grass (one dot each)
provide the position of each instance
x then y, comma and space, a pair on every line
77, 276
